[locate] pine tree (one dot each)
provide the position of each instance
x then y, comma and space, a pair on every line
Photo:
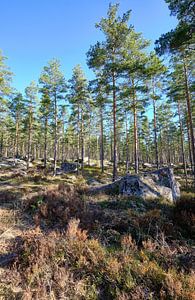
31, 98
5, 91
155, 72
45, 114
99, 90
107, 57
134, 61
53, 81
79, 98
16, 107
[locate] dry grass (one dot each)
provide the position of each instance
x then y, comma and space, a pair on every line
70, 265
81, 247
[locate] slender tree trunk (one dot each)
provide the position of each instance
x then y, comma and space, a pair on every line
182, 142
35, 151
102, 139
66, 149
97, 151
78, 139
89, 141
188, 100
168, 148
45, 143
23, 150
89, 151
189, 145
29, 138
155, 135
161, 149
127, 144
114, 129
6, 146
63, 137
55, 134
136, 159
16, 138
1, 144
63, 149
82, 143
111, 146
58, 151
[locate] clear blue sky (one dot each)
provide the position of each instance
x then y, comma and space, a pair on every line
35, 31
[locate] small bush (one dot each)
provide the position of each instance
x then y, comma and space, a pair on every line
184, 216
70, 265
57, 206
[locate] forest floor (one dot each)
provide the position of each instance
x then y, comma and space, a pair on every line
57, 242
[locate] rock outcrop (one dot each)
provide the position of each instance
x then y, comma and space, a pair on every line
151, 185
7, 163
67, 167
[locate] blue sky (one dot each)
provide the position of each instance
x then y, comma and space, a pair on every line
35, 31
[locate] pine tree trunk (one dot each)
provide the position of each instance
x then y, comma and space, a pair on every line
1, 144
97, 151
111, 147
35, 151
16, 138
45, 143
182, 142
82, 143
155, 135
188, 100
89, 151
63, 148
161, 149
63, 138
127, 144
55, 134
136, 159
189, 144
78, 139
168, 148
102, 139
114, 129
29, 138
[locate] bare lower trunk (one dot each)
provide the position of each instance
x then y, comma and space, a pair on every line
82, 144
155, 135
55, 135
111, 147
114, 130
1, 144
136, 160
127, 144
188, 100
45, 144
63, 138
29, 139
16, 151
78, 139
89, 151
102, 139
97, 151
168, 148
182, 142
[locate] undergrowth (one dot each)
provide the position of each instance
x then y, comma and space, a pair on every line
111, 248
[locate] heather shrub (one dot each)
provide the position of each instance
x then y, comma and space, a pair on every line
58, 205
184, 216
70, 265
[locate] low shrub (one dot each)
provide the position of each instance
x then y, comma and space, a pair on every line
70, 265
58, 205
184, 216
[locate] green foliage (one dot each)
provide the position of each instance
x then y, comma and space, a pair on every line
5, 81
182, 36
